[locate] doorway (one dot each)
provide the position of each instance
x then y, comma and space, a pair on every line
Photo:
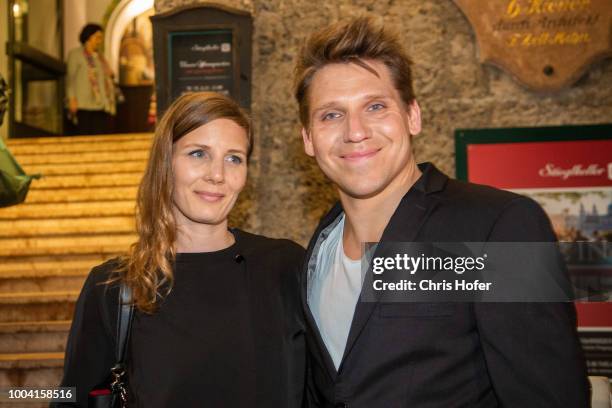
36, 68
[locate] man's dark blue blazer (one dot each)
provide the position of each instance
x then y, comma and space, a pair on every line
453, 354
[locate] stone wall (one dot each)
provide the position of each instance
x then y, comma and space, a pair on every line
287, 193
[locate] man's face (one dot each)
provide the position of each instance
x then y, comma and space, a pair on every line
360, 129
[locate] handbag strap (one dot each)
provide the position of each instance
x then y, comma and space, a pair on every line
124, 322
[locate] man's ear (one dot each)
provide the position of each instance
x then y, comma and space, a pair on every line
308, 148
414, 118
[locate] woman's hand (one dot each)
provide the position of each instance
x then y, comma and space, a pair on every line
72, 105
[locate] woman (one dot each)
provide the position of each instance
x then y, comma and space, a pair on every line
218, 319
90, 89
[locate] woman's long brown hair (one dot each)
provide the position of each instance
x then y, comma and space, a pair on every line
147, 268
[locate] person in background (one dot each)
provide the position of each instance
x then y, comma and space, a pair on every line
90, 90
218, 321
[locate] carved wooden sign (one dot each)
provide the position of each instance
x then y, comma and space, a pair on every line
544, 44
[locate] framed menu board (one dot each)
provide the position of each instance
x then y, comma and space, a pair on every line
202, 61
202, 48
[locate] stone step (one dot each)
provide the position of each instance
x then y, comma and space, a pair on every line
46, 274
41, 141
88, 244
129, 166
65, 226
85, 157
31, 360
67, 195
86, 181
13, 267
65, 210
42, 283
31, 369
37, 306
80, 147
33, 337
38, 297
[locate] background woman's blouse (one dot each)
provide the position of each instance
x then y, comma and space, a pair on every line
78, 83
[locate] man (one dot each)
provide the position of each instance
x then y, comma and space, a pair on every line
358, 112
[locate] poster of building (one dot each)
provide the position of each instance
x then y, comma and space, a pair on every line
568, 171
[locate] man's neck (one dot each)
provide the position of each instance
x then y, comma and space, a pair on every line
367, 218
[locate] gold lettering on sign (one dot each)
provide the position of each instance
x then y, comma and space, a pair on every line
560, 6
529, 8
516, 8
547, 38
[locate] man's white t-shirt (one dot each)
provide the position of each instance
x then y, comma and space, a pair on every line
335, 292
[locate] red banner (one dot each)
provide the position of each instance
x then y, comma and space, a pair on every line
562, 164
594, 314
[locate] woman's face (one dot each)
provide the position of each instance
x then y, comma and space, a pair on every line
210, 169
95, 40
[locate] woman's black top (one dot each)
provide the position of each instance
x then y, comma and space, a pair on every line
229, 334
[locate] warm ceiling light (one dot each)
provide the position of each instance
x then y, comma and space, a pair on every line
16, 10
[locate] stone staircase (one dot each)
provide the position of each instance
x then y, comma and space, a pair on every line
79, 214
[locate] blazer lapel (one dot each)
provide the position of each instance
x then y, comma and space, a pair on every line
411, 214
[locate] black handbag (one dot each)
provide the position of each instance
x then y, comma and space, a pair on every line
114, 393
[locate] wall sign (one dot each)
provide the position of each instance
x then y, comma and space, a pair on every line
544, 44
202, 48
202, 61
568, 171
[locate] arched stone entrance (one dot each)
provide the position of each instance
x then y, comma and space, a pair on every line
119, 19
